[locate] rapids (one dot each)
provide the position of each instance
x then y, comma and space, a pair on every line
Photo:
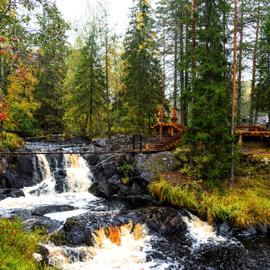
61, 192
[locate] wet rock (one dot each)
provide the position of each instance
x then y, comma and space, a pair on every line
163, 220
19, 173
43, 210
224, 229
262, 228
14, 193
250, 230
43, 223
79, 230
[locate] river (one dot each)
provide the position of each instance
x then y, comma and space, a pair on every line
129, 246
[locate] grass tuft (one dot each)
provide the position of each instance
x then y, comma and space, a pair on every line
247, 203
17, 246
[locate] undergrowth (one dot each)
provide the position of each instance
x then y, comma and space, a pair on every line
17, 246
10, 141
246, 203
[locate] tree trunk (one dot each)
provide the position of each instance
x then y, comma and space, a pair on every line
254, 68
182, 75
107, 83
239, 86
175, 85
187, 84
193, 41
234, 87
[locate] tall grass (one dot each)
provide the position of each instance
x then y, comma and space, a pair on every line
248, 203
17, 246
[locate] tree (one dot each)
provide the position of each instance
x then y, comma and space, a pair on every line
234, 86
143, 75
208, 133
262, 89
52, 53
20, 96
85, 86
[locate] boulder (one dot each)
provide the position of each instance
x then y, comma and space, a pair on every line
7, 192
43, 210
19, 173
148, 167
163, 220
43, 223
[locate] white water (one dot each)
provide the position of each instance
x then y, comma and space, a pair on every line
47, 185
201, 232
79, 175
130, 253
79, 178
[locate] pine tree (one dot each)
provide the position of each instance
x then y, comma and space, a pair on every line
262, 90
143, 75
85, 86
208, 135
52, 53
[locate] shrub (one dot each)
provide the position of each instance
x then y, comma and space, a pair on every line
17, 246
10, 141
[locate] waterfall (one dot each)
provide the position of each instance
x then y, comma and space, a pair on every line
78, 173
201, 232
122, 247
47, 185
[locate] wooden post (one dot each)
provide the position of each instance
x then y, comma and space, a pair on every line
240, 140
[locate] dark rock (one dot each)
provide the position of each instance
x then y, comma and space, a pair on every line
44, 252
164, 220
92, 159
250, 230
43, 223
43, 210
19, 173
262, 228
151, 166
79, 230
224, 229
14, 193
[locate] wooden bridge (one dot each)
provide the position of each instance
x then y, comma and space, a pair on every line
251, 131
164, 137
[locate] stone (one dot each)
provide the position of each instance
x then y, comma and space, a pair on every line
43, 223
149, 167
43, 210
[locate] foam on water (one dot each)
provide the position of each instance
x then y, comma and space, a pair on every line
79, 176
47, 185
201, 232
79, 200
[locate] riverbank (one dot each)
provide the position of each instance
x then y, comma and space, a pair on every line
17, 246
245, 204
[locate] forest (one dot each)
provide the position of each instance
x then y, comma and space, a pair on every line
77, 192
207, 59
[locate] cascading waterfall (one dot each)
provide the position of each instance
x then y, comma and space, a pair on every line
47, 185
78, 173
77, 179
64, 180
121, 247
201, 232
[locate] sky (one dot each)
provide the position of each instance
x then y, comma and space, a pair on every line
74, 10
